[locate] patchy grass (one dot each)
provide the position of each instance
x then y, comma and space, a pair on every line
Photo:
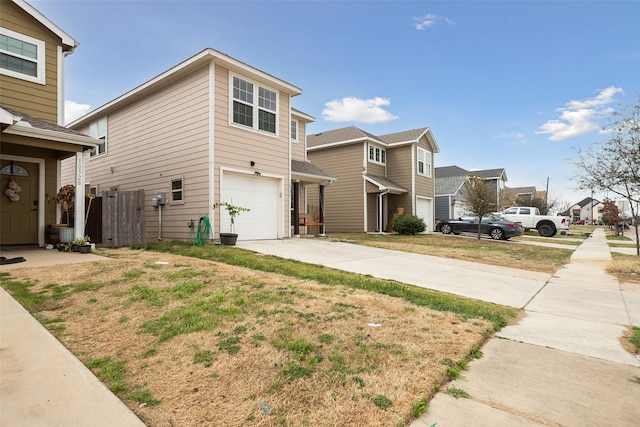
505, 254
625, 267
197, 342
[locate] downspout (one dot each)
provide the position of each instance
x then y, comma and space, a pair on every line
159, 221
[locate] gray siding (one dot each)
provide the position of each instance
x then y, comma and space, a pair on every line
442, 208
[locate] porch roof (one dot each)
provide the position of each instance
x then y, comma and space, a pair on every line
14, 122
385, 185
307, 171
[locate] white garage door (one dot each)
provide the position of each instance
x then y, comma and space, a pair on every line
424, 210
260, 195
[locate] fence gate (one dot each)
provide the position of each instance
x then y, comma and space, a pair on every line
122, 218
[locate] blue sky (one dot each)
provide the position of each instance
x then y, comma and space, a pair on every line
518, 85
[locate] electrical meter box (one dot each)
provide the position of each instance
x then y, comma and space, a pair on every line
162, 198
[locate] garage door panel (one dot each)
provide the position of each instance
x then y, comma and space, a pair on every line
260, 195
424, 210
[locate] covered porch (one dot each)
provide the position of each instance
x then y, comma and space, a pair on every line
307, 198
30, 175
385, 199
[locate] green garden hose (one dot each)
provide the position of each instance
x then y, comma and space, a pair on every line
203, 232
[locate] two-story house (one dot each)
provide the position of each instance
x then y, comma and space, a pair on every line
210, 129
450, 182
33, 140
586, 210
377, 176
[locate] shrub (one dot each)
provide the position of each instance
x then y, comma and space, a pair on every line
408, 224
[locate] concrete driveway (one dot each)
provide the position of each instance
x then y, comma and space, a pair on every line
506, 286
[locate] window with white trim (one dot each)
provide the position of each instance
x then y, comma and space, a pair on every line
22, 57
424, 162
377, 155
177, 191
246, 103
98, 130
294, 131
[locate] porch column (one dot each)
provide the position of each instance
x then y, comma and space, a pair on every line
79, 206
296, 208
321, 209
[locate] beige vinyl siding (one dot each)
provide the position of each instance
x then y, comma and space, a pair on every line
157, 138
237, 146
376, 169
399, 170
425, 185
298, 148
31, 98
344, 199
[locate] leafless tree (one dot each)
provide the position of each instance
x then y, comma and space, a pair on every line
479, 198
614, 165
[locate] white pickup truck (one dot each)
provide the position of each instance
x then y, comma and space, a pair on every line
547, 225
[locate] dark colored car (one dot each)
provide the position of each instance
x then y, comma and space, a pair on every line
496, 227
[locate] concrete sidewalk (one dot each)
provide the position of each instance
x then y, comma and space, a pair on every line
563, 365
41, 382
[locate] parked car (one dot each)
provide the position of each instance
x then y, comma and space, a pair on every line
579, 222
529, 216
495, 227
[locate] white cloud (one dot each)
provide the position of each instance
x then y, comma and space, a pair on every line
580, 117
73, 110
430, 20
519, 137
351, 109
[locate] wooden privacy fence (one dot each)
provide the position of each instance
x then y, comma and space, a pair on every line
122, 218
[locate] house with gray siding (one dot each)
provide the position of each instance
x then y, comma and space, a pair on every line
209, 129
450, 182
377, 177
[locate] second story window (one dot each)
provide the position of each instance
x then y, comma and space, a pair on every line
98, 130
22, 56
377, 155
294, 131
246, 103
424, 162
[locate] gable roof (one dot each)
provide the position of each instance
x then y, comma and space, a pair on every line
15, 122
309, 171
586, 201
449, 185
198, 60
68, 42
352, 134
450, 171
346, 135
490, 174
385, 184
520, 190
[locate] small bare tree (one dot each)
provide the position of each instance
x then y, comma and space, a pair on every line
614, 165
479, 198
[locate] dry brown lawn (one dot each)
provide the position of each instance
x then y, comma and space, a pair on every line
220, 345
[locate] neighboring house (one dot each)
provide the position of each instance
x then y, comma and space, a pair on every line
525, 194
584, 211
377, 176
32, 52
450, 181
211, 128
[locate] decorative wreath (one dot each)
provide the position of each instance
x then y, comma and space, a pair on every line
12, 189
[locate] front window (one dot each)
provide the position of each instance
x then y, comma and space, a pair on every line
377, 155
22, 56
98, 130
245, 104
424, 162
